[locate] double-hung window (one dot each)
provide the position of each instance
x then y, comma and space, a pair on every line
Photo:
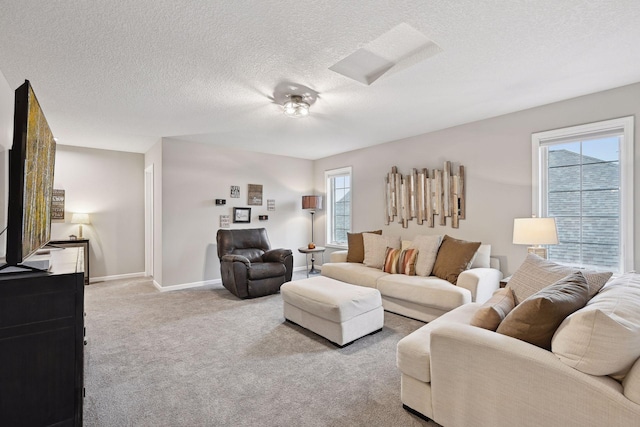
338, 190
583, 177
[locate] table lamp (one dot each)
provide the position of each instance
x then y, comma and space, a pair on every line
535, 232
80, 218
312, 203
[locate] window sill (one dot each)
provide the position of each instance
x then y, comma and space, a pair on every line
334, 246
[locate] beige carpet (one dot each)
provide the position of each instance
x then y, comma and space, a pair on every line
202, 357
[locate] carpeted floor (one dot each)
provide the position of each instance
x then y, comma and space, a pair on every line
202, 357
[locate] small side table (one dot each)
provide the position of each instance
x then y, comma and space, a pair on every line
307, 251
504, 282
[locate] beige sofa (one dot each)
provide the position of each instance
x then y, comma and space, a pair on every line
418, 297
462, 375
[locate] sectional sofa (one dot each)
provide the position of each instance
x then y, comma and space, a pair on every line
461, 375
418, 296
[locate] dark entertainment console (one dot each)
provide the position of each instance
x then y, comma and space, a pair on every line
41, 343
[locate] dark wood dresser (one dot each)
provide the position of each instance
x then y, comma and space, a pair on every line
41, 343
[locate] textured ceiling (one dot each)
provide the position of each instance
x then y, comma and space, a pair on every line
121, 74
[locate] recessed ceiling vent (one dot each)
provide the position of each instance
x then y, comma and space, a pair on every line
397, 49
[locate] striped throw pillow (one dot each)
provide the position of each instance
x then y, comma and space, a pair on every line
398, 261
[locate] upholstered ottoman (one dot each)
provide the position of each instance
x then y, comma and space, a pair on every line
338, 311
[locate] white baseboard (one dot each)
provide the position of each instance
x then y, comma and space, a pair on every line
116, 277
203, 283
186, 285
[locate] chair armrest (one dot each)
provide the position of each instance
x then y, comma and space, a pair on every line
472, 369
276, 255
236, 258
482, 282
338, 256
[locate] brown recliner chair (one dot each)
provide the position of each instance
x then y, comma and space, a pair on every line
248, 265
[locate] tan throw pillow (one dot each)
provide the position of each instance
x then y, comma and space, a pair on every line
427, 247
603, 338
536, 273
454, 257
536, 319
399, 261
375, 248
355, 250
493, 312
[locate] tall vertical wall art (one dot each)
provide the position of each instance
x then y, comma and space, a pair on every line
422, 195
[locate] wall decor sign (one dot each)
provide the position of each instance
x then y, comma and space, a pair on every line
57, 204
225, 221
271, 205
423, 195
254, 196
235, 191
241, 214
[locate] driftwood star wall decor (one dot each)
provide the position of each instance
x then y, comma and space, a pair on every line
423, 195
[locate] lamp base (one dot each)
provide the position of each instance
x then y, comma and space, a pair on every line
538, 250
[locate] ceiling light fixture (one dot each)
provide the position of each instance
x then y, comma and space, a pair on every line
296, 107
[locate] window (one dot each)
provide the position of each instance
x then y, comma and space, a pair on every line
583, 177
338, 205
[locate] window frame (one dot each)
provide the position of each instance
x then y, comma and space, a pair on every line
329, 175
624, 125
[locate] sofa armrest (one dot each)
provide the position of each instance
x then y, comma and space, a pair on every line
338, 256
276, 255
480, 377
482, 282
236, 258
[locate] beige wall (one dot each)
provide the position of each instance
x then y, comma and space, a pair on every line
497, 156
194, 175
109, 186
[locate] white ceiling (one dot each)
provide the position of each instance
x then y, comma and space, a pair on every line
121, 74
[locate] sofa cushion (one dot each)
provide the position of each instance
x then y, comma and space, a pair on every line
350, 272
536, 273
631, 383
427, 247
454, 257
482, 258
399, 261
603, 338
493, 312
375, 247
413, 351
355, 250
426, 291
536, 319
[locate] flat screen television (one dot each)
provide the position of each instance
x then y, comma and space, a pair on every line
31, 167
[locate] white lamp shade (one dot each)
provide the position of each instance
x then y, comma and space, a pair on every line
535, 231
80, 218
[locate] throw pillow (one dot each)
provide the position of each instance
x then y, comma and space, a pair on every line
536, 319
399, 261
453, 258
427, 247
493, 312
603, 338
355, 249
375, 247
536, 273
482, 258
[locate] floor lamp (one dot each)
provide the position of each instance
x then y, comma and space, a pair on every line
311, 203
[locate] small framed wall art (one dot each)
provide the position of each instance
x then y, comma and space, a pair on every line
271, 204
224, 221
235, 192
254, 195
241, 214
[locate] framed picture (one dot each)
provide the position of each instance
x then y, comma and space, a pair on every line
241, 214
271, 205
224, 221
254, 195
235, 191
57, 204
